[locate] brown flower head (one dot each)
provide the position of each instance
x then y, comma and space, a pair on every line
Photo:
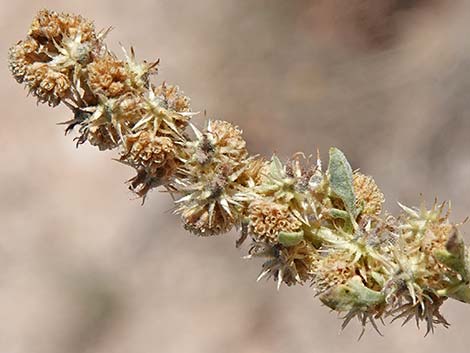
290, 265
108, 76
368, 194
28, 64
211, 199
48, 85
139, 72
45, 61
255, 171
162, 120
102, 136
207, 220
106, 124
50, 25
19, 58
152, 156
267, 219
292, 184
209, 205
333, 269
227, 140
173, 98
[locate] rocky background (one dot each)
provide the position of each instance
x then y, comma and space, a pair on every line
85, 268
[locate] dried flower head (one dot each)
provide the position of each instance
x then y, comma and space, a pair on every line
161, 119
268, 219
153, 157
209, 205
427, 310
208, 180
139, 72
369, 198
47, 84
172, 98
221, 142
29, 64
21, 56
293, 184
102, 136
208, 220
108, 76
100, 125
145, 150
255, 172
333, 269
50, 25
286, 264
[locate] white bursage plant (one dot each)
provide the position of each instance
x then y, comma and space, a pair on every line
321, 228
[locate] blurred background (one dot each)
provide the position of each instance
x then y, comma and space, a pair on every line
85, 268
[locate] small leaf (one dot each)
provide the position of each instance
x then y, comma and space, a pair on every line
341, 180
454, 254
290, 238
352, 295
461, 293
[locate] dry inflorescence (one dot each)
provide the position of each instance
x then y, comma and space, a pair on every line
312, 226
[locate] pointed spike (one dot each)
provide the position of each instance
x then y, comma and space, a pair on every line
223, 202
374, 325
196, 131
279, 279
262, 274
319, 165
408, 210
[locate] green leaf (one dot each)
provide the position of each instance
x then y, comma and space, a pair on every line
461, 293
454, 255
351, 295
341, 180
290, 238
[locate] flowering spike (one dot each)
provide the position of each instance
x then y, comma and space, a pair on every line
326, 229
